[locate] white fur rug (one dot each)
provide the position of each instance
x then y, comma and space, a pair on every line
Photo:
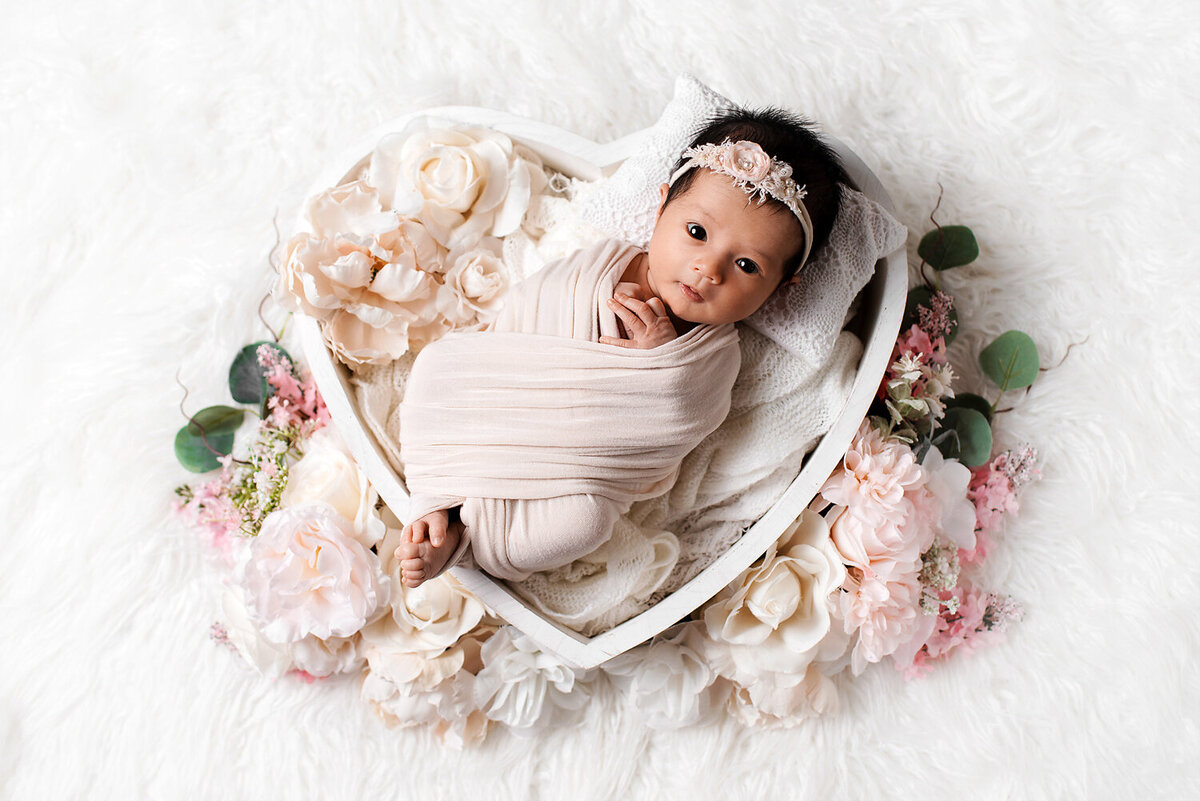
144, 150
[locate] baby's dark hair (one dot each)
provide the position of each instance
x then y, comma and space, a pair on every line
788, 138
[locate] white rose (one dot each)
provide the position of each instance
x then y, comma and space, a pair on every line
776, 618
462, 182
524, 687
307, 574
666, 683
326, 472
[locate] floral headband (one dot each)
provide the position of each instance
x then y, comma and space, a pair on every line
755, 173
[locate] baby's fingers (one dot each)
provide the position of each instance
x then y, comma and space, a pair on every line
644, 311
630, 320
417, 531
656, 306
620, 343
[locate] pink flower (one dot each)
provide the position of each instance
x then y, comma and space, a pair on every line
745, 161
969, 619
308, 575
875, 484
885, 615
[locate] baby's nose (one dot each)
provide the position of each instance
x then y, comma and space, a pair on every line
708, 269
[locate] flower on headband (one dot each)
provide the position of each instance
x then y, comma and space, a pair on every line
746, 161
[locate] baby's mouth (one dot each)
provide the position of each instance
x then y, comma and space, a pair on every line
690, 294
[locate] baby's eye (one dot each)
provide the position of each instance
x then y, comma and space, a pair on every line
747, 266
696, 231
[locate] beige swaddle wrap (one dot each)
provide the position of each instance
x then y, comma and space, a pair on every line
545, 436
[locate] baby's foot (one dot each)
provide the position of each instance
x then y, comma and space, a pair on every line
427, 544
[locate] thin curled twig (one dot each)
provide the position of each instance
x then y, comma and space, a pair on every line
1065, 355
936, 225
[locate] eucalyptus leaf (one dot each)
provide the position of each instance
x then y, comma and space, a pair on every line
247, 378
921, 296
208, 430
968, 401
948, 246
1011, 361
966, 436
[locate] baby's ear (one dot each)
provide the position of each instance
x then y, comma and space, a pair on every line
662, 199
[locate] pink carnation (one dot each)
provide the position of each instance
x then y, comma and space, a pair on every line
885, 614
875, 484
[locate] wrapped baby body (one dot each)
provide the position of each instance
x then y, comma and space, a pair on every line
545, 437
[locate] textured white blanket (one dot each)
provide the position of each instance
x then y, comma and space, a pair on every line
146, 147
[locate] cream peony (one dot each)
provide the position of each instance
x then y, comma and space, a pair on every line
667, 683
327, 472
408, 689
366, 274
776, 617
462, 182
307, 574
525, 688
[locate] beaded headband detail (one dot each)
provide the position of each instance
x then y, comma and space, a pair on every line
755, 173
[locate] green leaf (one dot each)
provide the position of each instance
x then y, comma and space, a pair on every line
948, 246
921, 296
247, 379
218, 424
1011, 360
966, 400
966, 436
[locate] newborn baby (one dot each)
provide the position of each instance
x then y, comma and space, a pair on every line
523, 444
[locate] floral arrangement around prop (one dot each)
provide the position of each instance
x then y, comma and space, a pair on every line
878, 567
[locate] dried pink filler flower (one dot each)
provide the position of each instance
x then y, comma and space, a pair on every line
969, 619
295, 402
934, 319
993, 489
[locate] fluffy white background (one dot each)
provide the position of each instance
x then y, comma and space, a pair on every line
144, 150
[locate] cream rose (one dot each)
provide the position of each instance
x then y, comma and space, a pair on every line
777, 616
463, 182
475, 283
308, 574
326, 472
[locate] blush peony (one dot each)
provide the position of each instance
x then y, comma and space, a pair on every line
308, 574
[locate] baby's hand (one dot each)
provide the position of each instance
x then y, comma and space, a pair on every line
646, 324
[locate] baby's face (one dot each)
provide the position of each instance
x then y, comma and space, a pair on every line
716, 255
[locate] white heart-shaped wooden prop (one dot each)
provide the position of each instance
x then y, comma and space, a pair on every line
877, 324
